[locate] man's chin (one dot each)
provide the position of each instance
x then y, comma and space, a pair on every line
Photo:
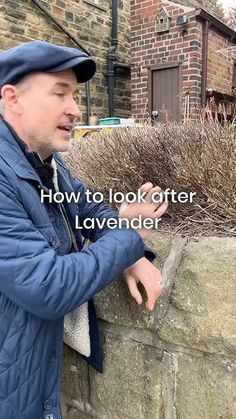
64, 145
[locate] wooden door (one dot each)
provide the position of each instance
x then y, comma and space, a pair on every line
165, 87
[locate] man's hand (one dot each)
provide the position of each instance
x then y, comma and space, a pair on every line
147, 209
150, 277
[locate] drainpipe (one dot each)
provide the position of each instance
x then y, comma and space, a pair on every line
123, 66
88, 102
204, 62
110, 76
111, 57
112, 64
114, 39
73, 39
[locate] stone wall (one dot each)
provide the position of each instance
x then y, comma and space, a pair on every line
89, 21
179, 362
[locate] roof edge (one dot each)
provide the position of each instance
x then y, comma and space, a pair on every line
215, 23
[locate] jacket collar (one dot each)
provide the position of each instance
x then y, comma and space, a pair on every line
16, 154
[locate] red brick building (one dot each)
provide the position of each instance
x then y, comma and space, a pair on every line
182, 60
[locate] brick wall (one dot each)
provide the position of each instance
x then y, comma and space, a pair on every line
220, 66
149, 47
22, 21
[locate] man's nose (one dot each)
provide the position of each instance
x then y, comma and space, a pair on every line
73, 109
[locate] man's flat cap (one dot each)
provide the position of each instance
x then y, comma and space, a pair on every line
17, 62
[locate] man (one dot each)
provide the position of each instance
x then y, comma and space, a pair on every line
44, 270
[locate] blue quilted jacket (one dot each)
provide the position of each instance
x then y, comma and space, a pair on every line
40, 281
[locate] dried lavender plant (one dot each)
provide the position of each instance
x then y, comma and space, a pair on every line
197, 156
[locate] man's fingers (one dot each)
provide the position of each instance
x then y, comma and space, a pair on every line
159, 211
149, 276
150, 305
153, 194
153, 294
148, 208
123, 208
133, 288
146, 187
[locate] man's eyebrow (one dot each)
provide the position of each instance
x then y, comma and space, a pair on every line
65, 85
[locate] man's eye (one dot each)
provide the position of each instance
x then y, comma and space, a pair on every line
59, 94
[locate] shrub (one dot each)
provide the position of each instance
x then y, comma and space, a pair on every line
194, 156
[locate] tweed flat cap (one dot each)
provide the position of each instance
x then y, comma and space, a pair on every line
17, 62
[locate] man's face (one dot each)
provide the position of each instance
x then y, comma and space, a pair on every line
48, 111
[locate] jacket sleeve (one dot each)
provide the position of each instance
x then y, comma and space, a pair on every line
94, 210
34, 277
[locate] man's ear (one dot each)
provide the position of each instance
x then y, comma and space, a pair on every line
10, 95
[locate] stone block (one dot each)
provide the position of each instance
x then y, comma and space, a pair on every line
130, 386
201, 313
77, 414
61, 4
74, 381
33, 19
205, 389
64, 406
58, 12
